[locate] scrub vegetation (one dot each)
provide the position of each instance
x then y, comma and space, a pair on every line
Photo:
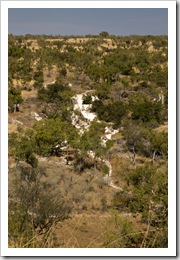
88, 141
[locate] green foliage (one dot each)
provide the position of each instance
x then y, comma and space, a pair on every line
105, 169
90, 60
63, 72
123, 235
90, 141
159, 42
125, 79
148, 196
141, 176
56, 93
14, 97
94, 71
33, 208
19, 61
119, 61
15, 51
19, 228
159, 142
87, 99
142, 60
145, 141
145, 110
112, 112
70, 49
102, 91
160, 76
133, 134
46, 135
38, 77
52, 132
22, 147
32, 160
104, 34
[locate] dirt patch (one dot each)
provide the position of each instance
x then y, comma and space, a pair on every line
32, 44
78, 40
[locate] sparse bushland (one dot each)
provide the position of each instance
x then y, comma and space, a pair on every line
145, 141
33, 209
121, 233
56, 174
45, 136
147, 194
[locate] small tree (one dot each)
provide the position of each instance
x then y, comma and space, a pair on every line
22, 148
133, 136
121, 233
148, 196
63, 72
145, 110
14, 99
158, 143
87, 99
53, 132
38, 77
104, 34
33, 207
56, 93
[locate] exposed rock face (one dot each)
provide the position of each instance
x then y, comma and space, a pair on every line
83, 108
84, 123
36, 116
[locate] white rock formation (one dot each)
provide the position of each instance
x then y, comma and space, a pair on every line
81, 125
37, 117
83, 108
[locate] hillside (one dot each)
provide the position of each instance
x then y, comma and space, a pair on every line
88, 139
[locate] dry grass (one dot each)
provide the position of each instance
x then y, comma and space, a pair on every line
12, 128
82, 191
51, 74
29, 94
81, 231
162, 128
90, 229
16, 83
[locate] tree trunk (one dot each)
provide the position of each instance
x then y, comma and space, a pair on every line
134, 158
154, 155
67, 156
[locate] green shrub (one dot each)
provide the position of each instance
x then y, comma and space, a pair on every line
87, 99
113, 112
14, 98
34, 208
